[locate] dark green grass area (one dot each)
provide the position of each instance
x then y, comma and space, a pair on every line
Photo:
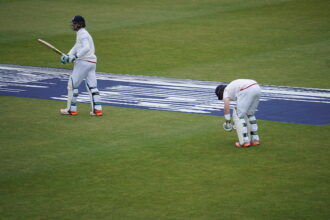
279, 42
142, 164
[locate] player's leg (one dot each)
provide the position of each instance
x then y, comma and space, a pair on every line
241, 129
256, 91
243, 103
248, 127
71, 108
94, 94
94, 99
74, 81
255, 140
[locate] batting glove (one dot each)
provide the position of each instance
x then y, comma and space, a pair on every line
64, 59
71, 58
227, 126
68, 58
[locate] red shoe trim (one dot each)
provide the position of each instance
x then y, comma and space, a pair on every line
73, 113
98, 112
244, 145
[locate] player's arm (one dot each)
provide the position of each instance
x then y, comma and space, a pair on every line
226, 103
227, 125
85, 48
73, 50
71, 56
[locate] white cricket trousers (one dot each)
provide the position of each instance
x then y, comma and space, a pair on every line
248, 100
84, 70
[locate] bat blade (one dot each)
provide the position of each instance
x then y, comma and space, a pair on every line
239, 127
50, 46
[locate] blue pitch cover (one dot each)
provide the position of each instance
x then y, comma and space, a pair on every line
284, 104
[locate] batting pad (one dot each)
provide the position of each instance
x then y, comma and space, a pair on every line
70, 93
240, 129
249, 127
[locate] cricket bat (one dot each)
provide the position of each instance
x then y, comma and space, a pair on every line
50, 46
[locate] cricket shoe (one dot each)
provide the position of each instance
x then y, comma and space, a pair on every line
255, 143
96, 113
68, 112
237, 144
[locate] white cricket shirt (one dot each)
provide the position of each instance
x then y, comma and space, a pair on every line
233, 88
84, 48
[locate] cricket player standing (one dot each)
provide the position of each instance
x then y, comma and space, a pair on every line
247, 94
83, 56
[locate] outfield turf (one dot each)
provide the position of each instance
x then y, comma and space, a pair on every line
277, 42
143, 164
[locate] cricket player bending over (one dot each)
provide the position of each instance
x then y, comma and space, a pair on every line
247, 93
83, 56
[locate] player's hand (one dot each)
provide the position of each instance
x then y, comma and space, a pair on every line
68, 58
71, 58
64, 59
228, 125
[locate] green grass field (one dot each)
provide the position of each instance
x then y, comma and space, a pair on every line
143, 164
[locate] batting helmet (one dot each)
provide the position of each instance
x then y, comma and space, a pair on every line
79, 20
219, 91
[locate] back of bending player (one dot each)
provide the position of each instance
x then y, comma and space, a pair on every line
247, 94
83, 56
